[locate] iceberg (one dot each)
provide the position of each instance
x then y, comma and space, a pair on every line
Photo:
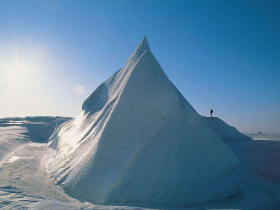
138, 140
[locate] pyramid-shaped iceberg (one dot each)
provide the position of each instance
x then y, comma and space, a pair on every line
138, 140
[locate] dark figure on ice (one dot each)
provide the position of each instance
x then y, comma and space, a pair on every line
211, 112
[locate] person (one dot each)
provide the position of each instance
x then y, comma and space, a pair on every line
211, 112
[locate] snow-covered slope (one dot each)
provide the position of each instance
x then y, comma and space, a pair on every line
138, 140
225, 131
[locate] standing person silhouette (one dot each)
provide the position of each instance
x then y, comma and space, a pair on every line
211, 112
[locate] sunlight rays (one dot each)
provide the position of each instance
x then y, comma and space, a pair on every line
18, 73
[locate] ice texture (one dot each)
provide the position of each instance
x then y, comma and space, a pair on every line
138, 140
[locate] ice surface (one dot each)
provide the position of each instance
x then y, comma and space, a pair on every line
11, 138
16, 132
264, 136
226, 132
24, 183
138, 140
13, 159
39, 128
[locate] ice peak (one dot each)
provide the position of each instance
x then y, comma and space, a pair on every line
144, 43
118, 134
142, 47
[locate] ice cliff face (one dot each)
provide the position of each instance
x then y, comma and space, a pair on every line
138, 140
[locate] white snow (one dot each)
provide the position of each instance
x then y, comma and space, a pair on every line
138, 140
142, 159
11, 138
13, 158
24, 183
223, 130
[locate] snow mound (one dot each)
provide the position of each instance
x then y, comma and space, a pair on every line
138, 140
225, 131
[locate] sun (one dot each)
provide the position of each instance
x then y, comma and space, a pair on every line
17, 74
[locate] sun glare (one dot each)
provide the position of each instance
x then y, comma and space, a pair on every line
17, 74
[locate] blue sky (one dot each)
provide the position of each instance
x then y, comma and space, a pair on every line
223, 55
